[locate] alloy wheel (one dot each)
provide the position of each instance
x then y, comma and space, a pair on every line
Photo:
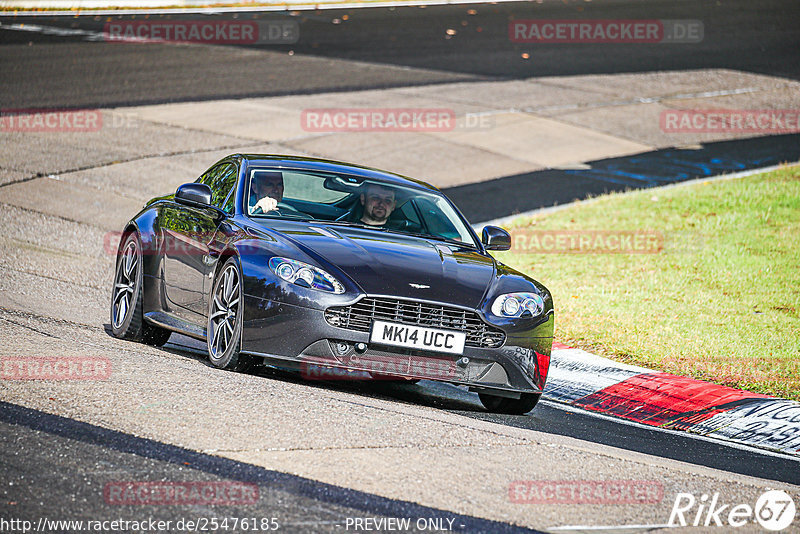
125, 283
224, 311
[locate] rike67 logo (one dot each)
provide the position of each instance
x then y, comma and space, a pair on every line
774, 510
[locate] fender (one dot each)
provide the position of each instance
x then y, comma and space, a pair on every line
153, 295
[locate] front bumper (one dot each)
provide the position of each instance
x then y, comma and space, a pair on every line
299, 337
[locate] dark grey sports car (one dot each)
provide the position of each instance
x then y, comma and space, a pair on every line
335, 270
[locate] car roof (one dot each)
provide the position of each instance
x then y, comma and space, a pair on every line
279, 161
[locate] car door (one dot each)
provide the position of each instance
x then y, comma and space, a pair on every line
187, 233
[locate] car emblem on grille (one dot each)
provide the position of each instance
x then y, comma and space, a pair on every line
419, 286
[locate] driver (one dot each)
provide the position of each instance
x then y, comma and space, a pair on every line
266, 190
379, 203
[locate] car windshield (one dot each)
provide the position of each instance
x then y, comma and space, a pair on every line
353, 201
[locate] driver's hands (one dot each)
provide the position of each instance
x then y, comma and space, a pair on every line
267, 204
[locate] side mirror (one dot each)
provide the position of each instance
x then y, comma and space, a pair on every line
495, 238
197, 195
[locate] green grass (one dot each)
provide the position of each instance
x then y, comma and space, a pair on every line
721, 300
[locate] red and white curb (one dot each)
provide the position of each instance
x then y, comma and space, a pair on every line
654, 398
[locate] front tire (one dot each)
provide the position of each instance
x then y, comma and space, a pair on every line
519, 406
225, 317
127, 321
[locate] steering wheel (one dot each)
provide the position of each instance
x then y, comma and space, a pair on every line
283, 210
286, 209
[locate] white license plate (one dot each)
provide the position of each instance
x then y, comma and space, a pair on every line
418, 337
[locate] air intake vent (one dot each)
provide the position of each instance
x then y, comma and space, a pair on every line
359, 317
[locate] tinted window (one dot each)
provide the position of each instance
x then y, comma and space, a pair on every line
302, 186
409, 213
221, 179
229, 207
353, 201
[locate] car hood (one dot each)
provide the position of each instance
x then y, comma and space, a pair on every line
386, 263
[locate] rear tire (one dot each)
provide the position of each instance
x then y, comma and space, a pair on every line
225, 317
127, 321
519, 406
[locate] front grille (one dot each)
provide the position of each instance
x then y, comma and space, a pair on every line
359, 317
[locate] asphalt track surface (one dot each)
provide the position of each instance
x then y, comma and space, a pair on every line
555, 418
80, 457
49, 70
377, 48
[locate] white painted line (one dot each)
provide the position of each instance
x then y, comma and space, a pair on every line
156, 7
54, 30
727, 443
770, 423
610, 527
501, 221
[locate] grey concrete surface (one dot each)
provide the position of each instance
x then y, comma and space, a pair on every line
578, 119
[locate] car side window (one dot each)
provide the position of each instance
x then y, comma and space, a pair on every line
229, 203
436, 222
410, 214
207, 176
221, 179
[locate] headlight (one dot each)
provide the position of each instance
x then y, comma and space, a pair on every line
304, 275
518, 305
